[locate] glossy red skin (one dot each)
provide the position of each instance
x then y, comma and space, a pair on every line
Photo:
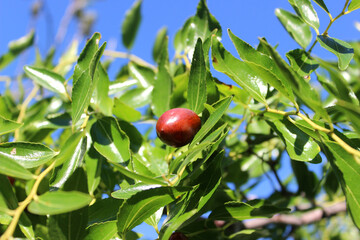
178, 126
12, 180
178, 236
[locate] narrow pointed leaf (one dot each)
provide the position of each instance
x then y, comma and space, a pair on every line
159, 44
144, 75
321, 3
69, 147
238, 71
13, 169
297, 29
308, 13
59, 202
28, 155
131, 24
93, 161
197, 80
132, 190
101, 102
343, 51
7, 126
212, 120
47, 79
125, 112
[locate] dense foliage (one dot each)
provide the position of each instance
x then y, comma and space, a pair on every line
73, 164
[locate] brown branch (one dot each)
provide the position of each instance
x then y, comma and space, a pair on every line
309, 217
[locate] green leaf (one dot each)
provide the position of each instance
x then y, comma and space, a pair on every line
161, 94
321, 3
154, 219
142, 205
10, 167
176, 224
69, 147
347, 171
144, 75
28, 155
74, 160
125, 112
199, 26
83, 87
160, 43
197, 80
110, 141
297, 29
220, 110
307, 180
354, 4
352, 111
131, 24
308, 13
136, 139
101, 102
16, 47
104, 210
104, 231
58, 202
249, 54
47, 79
86, 56
298, 144
117, 87
7, 126
137, 97
242, 211
93, 162
238, 71
302, 62
132, 190
343, 51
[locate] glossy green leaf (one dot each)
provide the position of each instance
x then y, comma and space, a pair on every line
69, 147
144, 75
352, 111
161, 93
302, 62
83, 87
7, 126
298, 144
110, 141
131, 24
28, 155
11, 168
343, 51
197, 80
59, 202
297, 29
212, 120
93, 163
303, 90
74, 160
200, 25
238, 71
176, 224
66, 60
155, 218
47, 79
136, 138
16, 47
104, 210
249, 54
242, 211
308, 13
117, 87
137, 97
101, 102
142, 205
354, 4
306, 179
125, 112
321, 3
160, 43
347, 171
132, 190
104, 231
86, 56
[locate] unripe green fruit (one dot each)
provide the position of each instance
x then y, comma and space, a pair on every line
178, 126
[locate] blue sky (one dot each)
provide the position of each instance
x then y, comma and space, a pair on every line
249, 20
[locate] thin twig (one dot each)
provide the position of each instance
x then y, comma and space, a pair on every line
131, 57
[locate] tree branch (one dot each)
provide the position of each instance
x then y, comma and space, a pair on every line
309, 217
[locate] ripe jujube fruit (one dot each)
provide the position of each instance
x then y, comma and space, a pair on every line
178, 126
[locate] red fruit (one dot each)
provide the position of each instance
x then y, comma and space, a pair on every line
12, 180
178, 126
178, 236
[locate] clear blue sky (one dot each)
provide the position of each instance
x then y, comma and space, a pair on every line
247, 19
